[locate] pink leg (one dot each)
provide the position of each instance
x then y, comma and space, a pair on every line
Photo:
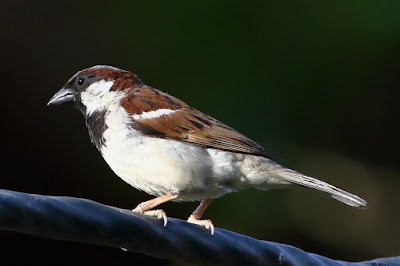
194, 218
145, 207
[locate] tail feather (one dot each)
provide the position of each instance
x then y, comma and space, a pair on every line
336, 193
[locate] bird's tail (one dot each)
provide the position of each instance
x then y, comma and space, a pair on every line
294, 177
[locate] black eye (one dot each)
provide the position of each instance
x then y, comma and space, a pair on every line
80, 81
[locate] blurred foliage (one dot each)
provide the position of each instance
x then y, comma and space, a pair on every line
316, 83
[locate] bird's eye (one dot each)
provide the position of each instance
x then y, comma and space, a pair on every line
80, 81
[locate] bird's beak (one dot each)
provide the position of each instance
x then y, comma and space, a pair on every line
63, 96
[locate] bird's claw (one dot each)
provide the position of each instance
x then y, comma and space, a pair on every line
207, 224
160, 214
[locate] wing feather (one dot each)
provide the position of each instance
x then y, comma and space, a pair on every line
185, 123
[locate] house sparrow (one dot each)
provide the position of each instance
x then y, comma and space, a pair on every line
159, 144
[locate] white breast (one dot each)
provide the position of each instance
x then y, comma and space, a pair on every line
160, 166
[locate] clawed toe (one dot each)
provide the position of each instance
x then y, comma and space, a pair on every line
160, 214
147, 206
207, 224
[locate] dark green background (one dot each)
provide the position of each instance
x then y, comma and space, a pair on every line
316, 83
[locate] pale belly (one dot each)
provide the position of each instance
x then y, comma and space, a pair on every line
164, 166
159, 166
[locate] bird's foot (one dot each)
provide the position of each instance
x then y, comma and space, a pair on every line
207, 224
160, 214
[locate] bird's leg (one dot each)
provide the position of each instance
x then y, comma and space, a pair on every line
194, 218
147, 206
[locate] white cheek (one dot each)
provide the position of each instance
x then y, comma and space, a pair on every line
98, 96
100, 87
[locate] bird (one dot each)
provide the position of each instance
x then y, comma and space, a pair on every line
162, 146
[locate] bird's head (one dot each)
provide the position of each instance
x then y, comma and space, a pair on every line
95, 88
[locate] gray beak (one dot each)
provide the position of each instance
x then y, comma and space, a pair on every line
62, 96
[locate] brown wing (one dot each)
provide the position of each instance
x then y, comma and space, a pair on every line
185, 123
